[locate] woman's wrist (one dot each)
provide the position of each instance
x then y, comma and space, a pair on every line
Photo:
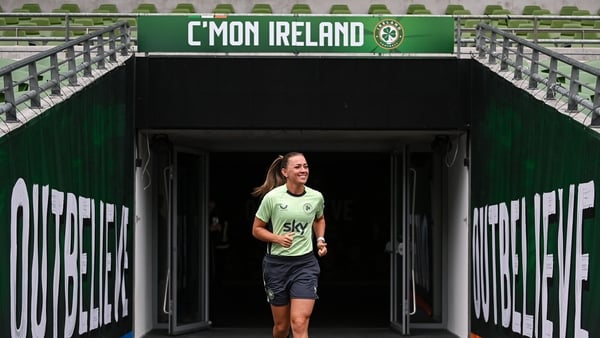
320, 239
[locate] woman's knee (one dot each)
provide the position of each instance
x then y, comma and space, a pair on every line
281, 330
300, 322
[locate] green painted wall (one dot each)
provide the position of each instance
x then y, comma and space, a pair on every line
66, 218
533, 229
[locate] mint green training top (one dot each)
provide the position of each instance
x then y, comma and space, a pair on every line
291, 213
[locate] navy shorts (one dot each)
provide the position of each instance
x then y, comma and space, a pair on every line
290, 277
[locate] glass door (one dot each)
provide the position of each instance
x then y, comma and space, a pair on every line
415, 234
188, 240
399, 256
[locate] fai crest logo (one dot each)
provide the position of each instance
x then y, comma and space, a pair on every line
307, 207
388, 33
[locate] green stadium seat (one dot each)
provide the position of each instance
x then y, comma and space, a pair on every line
453, 7
528, 9
111, 8
262, 9
501, 12
224, 9
489, 9
581, 12
301, 9
102, 20
132, 21
461, 12
587, 35
559, 23
339, 9
422, 12
14, 20
32, 7
500, 23
29, 32
516, 23
381, 11
413, 7
524, 29
567, 10
577, 32
541, 13
58, 20
38, 21
146, 6
556, 26
469, 23
378, 8
541, 36
85, 23
186, 5
59, 33
71, 7
13, 33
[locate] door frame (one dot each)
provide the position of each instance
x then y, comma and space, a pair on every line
174, 327
399, 301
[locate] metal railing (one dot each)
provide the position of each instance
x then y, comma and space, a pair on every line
465, 27
24, 81
523, 45
545, 29
563, 78
65, 26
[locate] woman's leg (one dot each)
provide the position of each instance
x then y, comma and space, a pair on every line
281, 320
301, 310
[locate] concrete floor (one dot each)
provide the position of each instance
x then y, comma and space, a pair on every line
314, 333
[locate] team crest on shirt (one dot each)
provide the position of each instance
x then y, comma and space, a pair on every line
307, 207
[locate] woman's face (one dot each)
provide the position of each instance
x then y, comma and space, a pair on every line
296, 170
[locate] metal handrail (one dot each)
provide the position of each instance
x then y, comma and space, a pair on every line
81, 54
537, 27
514, 53
536, 21
121, 32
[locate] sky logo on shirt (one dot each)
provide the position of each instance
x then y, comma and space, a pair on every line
295, 227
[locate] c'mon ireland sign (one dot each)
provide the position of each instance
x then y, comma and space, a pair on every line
295, 34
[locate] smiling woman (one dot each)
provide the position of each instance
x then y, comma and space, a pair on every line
350, 266
288, 215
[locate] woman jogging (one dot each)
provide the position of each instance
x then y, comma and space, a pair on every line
288, 216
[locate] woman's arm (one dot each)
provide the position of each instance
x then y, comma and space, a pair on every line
260, 231
319, 230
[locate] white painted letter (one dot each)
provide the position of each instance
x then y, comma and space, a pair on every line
585, 200
70, 259
19, 202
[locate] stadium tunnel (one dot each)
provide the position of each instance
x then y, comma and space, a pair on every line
374, 131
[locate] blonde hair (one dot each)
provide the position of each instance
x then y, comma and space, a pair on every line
274, 176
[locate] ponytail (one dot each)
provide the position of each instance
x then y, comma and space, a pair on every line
274, 176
